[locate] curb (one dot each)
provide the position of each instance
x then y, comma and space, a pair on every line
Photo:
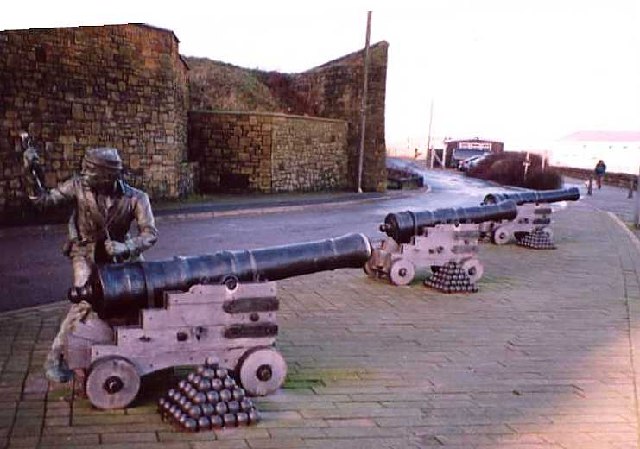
633, 313
178, 216
634, 238
272, 209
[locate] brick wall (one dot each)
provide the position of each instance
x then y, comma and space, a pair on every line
268, 152
74, 88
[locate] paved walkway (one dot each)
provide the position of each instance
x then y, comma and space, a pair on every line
544, 356
611, 199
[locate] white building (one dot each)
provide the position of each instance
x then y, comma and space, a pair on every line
620, 150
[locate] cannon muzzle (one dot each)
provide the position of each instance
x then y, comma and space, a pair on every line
402, 226
546, 196
124, 289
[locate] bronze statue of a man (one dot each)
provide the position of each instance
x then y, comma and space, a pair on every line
105, 208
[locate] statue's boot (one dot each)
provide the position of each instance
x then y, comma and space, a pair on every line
57, 371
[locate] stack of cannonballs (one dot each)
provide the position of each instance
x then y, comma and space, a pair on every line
207, 399
538, 239
451, 278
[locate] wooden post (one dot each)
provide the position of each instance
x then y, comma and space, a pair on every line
363, 107
526, 164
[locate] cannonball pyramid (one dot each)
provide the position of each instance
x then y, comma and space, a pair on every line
537, 239
451, 278
209, 398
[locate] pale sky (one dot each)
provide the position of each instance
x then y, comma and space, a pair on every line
525, 72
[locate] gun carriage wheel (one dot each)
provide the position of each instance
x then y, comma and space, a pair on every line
261, 371
501, 236
113, 382
474, 269
402, 272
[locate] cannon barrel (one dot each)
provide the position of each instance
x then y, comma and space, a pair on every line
124, 289
402, 226
546, 196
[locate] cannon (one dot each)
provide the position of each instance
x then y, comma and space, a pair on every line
532, 226
186, 309
443, 242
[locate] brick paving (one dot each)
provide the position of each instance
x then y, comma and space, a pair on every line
544, 356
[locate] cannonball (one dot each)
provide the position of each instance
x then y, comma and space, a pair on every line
221, 373
225, 395
246, 404
204, 423
204, 385
233, 406
199, 398
209, 373
229, 382
193, 393
221, 408
187, 406
229, 420
207, 409
216, 384
216, 422
243, 419
254, 416
213, 396
194, 411
183, 418
238, 394
190, 424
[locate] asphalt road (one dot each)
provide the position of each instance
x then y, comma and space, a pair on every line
33, 270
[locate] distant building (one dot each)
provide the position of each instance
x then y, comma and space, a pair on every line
459, 150
620, 150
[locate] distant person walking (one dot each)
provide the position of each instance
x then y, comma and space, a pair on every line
600, 169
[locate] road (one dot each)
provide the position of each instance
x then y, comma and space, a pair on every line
33, 271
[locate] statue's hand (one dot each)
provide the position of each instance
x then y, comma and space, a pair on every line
116, 249
30, 158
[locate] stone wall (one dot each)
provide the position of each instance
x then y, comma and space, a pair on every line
309, 154
267, 152
623, 180
333, 90
127, 86
73, 88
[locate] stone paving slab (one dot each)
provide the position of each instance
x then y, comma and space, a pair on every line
544, 356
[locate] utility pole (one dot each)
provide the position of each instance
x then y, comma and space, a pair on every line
636, 217
363, 107
429, 135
